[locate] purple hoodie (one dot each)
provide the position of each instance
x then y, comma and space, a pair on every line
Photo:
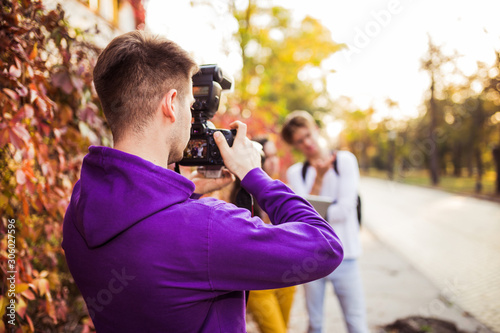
149, 258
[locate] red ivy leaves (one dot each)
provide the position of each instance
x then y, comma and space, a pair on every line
46, 96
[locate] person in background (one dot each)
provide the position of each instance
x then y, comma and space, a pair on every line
317, 176
270, 308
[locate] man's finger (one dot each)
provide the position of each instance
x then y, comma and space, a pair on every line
221, 142
241, 128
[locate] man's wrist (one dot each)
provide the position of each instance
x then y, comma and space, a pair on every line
254, 179
243, 173
319, 179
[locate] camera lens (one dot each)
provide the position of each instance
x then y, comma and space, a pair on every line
198, 105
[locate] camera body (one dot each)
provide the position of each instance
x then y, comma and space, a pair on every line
201, 149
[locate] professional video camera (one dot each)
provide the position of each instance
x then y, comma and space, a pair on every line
201, 149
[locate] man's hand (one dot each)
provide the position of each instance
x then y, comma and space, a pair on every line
205, 185
321, 166
242, 156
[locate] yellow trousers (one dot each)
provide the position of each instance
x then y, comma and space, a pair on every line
271, 308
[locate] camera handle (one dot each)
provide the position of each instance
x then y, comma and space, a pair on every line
244, 200
210, 171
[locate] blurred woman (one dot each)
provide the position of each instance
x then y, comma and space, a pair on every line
270, 308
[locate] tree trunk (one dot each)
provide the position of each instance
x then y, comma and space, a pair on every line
479, 121
470, 165
390, 159
496, 157
457, 160
480, 171
434, 158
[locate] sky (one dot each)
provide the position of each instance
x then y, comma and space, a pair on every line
386, 40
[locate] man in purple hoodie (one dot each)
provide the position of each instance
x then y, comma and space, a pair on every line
145, 254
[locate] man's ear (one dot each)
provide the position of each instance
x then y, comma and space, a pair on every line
168, 106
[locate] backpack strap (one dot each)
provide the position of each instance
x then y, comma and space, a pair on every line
335, 166
304, 170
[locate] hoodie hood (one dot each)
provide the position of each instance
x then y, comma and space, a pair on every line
118, 190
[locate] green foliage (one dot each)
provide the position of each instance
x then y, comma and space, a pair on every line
49, 116
275, 55
465, 129
459, 127
458, 116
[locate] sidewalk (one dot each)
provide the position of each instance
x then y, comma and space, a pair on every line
452, 240
426, 253
393, 289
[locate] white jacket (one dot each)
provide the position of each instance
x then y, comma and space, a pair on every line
343, 189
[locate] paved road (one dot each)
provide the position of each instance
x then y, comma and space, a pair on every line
394, 289
425, 253
453, 240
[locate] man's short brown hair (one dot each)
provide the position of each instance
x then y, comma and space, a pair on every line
132, 75
295, 120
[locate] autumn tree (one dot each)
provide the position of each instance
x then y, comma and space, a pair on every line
282, 62
283, 69
491, 93
49, 115
432, 63
357, 135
